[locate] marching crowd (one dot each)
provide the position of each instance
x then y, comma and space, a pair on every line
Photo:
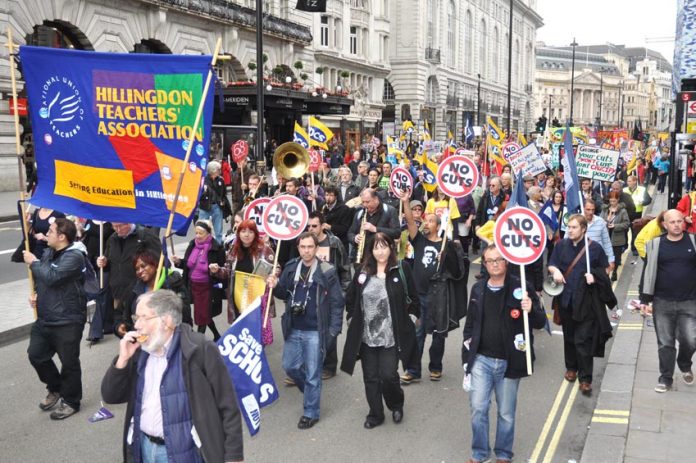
381, 261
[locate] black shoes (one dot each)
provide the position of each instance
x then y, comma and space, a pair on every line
398, 415
369, 424
307, 422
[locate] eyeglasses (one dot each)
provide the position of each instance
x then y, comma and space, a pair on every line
135, 318
494, 261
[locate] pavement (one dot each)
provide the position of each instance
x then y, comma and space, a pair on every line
630, 422
8, 205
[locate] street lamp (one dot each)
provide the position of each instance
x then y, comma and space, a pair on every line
478, 102
572, 81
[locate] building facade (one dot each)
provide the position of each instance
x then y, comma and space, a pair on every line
634, 85
449, 63
339, 77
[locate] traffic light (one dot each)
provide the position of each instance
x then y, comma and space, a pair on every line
541, 124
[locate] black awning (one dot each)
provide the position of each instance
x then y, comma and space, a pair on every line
244, 97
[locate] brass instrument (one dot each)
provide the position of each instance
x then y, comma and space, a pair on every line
361, 245
291, 160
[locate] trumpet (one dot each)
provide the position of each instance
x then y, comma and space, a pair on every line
361, 245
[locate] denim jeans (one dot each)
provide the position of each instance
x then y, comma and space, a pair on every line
64, 340
302, 361
214, 214
488, 376
674, 321
437, 346
151, 452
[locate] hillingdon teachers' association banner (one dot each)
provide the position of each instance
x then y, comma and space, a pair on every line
111, 132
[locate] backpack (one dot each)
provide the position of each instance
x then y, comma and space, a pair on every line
90, 280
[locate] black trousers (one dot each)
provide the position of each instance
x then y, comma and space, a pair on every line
44, 343
381, 380
577, 345
331, 359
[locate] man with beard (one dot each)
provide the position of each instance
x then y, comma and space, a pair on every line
181, 403
346, 189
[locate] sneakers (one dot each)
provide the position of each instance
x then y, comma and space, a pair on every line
688, 377
63, 411
50, 401
409, 378
435, 375
661, 388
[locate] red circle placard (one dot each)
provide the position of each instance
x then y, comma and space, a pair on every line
400, 180
457, 176
254, 211
240, 150
520, 235
285, 217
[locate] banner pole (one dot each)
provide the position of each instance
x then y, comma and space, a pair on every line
18, 147
587, 249
194, 129
101, 253
314, 199
270, 290
525, 318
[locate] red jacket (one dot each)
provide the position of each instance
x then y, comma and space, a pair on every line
687, 206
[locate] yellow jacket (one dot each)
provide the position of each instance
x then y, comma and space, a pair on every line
649, 231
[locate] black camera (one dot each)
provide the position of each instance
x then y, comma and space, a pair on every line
298, 309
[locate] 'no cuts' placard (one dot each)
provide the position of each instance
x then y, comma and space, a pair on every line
520, 235
457, 176
285, 217
400, 180
254, 211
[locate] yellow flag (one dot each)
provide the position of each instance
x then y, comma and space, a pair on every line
521, 139
319, 134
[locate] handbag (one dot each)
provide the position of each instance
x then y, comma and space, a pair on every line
555, 304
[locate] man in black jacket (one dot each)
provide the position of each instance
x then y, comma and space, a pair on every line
61, 314
494, 353
181, 403
337, 215
380, 218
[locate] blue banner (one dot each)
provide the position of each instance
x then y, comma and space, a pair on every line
243, 354
111, 132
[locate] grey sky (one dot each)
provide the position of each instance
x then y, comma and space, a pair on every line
596, 22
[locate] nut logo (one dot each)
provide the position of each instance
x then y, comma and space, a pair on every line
61, 105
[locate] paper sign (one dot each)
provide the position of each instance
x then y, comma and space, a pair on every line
596, 163
528, 160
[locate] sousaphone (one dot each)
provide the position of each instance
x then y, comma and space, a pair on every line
291, 160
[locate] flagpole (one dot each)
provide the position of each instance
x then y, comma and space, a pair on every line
101, 253
20, 167
184, 164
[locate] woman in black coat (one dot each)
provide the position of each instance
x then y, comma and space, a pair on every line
206, 290
380, 330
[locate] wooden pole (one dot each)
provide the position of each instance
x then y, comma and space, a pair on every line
314, 193
20, 163
270, 290
525, 318
101, 253
184, 164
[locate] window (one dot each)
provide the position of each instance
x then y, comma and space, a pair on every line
451, 34
324, 31
388, 92
468, 42
431, 91
353, 40
483, 47
430, 20
495, 59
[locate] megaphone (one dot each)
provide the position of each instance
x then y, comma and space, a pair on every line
551, 287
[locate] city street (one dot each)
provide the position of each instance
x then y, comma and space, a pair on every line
552, 419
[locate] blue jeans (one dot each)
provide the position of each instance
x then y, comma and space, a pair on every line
302, 361
674, 321
150, 452
487, 376
215, 214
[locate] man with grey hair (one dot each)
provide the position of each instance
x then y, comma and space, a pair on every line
181, 403
213, 204
346, 189
361, 180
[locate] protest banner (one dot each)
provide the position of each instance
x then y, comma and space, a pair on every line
240, 151
527, 159
457, 176
596, 163
242, 353
520, 236
314, 160
113, 133
285, 218
254, 211
400, 180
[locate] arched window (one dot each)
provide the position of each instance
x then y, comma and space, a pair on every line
468, 42
451, 34
431, 91
483, 48
495, 58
